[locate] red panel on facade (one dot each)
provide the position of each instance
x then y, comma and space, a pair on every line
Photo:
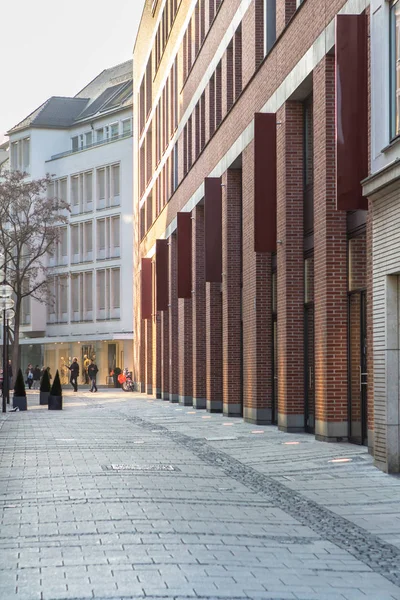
161, 275
351, 110
265, 182
184, 242
146, 291
213, 229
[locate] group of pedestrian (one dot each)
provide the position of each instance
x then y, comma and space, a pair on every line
91, 369
33, 376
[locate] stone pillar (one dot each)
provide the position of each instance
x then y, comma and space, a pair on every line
173, 324
330, 270
199, 308
257, 310
290, 268
231, 292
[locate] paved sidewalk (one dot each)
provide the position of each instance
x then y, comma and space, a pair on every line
121, 496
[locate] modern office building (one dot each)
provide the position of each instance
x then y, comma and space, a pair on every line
383, 190
85, 143
253, 238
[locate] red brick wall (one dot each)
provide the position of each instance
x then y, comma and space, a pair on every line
231, 290
173, 323
214, 346
185, 343
257, 309
285, 10
165, 355
149, 356
199, 306
290, 262
330, 260
157, 355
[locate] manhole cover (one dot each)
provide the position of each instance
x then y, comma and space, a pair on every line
120, 468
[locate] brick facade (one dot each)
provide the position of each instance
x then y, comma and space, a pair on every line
231, 292
257, 310
216, 349
330, 265
199, 309
290, 261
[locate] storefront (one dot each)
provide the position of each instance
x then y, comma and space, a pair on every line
58, 355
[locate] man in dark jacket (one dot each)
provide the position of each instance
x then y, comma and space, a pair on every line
74, 368
36, 377
92, 373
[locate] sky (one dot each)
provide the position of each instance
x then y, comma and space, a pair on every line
54, 48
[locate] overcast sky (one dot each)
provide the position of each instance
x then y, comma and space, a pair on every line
52, 48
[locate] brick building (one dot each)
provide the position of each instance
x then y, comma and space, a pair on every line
252, 287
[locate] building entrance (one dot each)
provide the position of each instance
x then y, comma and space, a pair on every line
357, 364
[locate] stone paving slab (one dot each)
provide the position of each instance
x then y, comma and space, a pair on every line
121, 496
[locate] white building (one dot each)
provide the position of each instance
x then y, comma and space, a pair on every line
85, 143
383, 190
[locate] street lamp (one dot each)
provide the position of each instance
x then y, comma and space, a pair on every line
6, 314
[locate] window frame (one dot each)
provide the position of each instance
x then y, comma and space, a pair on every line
393, 116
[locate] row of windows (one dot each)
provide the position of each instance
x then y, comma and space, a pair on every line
101, 134
101, 185
196, 32
84, 246
87, 296
167, 19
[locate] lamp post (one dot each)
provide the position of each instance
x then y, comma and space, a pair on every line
6, 312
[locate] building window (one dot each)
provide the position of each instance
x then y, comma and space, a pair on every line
20, 155
395, 68
88, 138
75, 143
114, 130
108, 288
269, 25
127, 127
100, 135
101, 188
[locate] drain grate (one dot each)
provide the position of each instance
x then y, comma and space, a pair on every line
146, 468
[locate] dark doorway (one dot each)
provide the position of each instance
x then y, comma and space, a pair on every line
357, 365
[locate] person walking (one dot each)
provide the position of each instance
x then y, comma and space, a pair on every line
92, 373
74, 368
36, 378
29, 376
10, 374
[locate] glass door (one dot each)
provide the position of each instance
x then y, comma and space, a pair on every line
358, 413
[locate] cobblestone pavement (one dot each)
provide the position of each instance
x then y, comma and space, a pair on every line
121, 496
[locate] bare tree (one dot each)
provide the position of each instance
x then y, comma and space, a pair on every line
29, 229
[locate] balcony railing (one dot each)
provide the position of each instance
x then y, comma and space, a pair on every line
114, 138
